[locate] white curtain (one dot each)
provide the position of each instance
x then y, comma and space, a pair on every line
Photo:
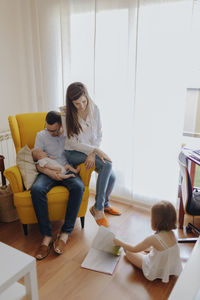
160, 96
16, 93
132, 56
30, 57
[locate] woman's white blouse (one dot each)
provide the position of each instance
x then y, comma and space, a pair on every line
91, 135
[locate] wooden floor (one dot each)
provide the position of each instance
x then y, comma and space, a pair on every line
62, 278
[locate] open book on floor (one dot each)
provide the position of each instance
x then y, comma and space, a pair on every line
103, 255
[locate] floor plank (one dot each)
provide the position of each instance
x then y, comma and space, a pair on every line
61, 277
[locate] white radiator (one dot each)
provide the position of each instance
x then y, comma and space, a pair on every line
7, 149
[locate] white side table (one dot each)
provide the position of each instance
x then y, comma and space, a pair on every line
14, 265
188, 284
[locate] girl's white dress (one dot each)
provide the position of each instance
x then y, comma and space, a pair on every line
162, 264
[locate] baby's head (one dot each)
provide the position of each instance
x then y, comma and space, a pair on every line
163, 216
38, 154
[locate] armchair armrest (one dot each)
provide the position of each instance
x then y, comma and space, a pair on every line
85, 174
14, 176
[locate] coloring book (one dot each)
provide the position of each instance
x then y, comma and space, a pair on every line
103, 255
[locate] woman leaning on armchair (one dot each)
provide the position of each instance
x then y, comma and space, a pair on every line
82, 125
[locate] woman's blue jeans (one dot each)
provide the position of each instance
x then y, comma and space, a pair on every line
39, 191
106, 177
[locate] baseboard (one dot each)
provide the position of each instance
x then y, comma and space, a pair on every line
134, 203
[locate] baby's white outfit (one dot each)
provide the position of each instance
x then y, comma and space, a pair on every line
162, 264
46, 160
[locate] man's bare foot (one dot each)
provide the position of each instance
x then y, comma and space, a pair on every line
46, 240
64, 237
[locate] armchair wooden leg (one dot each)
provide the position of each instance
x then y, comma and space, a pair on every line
25, 228
82, 221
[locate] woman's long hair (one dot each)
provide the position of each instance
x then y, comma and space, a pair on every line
74, 92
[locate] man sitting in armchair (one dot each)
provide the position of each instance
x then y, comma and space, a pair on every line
51, 140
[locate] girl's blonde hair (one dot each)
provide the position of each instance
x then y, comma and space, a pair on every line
163, 216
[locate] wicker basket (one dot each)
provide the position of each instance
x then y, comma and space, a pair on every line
8, 212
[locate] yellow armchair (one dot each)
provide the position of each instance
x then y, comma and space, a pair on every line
24, 128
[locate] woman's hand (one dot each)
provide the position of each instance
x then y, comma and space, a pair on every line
90, 161
102, 155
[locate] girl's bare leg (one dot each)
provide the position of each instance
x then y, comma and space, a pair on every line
135, 258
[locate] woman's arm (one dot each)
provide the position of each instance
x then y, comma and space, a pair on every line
102, 155
90, 161
73, 143
145, 244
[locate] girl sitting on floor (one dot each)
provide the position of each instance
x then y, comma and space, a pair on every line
163, 258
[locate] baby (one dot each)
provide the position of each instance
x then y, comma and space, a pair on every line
47, 162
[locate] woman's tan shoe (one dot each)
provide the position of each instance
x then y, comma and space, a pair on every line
99, 217
112, 210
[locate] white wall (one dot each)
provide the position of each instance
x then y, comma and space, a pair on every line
14, 76
30, 57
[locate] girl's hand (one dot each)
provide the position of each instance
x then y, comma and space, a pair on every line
102, 155
117, 242
90, 161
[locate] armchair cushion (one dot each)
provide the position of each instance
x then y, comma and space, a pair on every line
27, 166
57, 202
